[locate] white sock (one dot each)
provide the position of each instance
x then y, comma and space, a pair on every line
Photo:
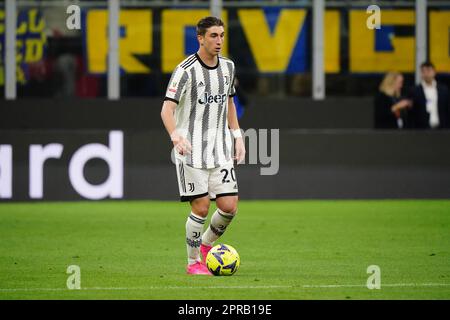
194, 231
219, 222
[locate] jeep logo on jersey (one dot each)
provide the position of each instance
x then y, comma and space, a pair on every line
208, 98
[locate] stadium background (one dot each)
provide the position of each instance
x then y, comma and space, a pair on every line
65, 102
328, 147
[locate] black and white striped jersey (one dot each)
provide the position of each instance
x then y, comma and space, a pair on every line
201, 93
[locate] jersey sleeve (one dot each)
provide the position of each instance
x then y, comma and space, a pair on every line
177, 85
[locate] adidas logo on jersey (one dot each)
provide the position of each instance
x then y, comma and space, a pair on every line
208, 98
201, 84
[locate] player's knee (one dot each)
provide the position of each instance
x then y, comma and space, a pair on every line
229, 207
200, 207
200, 210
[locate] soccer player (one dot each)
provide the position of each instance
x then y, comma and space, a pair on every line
199, 114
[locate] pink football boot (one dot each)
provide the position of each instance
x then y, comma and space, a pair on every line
204, 249
197, 268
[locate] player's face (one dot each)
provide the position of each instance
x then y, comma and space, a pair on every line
213, 40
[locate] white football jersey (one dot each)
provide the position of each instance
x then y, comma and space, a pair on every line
201, 115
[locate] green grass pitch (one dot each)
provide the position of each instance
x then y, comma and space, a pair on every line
289, 250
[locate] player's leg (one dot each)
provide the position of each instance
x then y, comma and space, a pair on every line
193, 187
194, 228
223, 183
221, 218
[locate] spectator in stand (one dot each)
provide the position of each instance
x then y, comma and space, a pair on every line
430, 108
389, 106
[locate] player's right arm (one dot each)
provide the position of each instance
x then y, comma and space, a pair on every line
174, 93
181, 144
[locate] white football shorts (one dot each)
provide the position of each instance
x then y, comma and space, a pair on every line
196, 183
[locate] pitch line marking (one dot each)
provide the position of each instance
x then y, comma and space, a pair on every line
228, 287
382, 285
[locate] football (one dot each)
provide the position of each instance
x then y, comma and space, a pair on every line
223, 260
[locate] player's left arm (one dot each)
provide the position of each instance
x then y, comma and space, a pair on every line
233, 123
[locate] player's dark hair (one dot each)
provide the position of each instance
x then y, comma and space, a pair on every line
427, 64
206, 23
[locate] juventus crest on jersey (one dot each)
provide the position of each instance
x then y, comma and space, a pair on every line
201, 93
